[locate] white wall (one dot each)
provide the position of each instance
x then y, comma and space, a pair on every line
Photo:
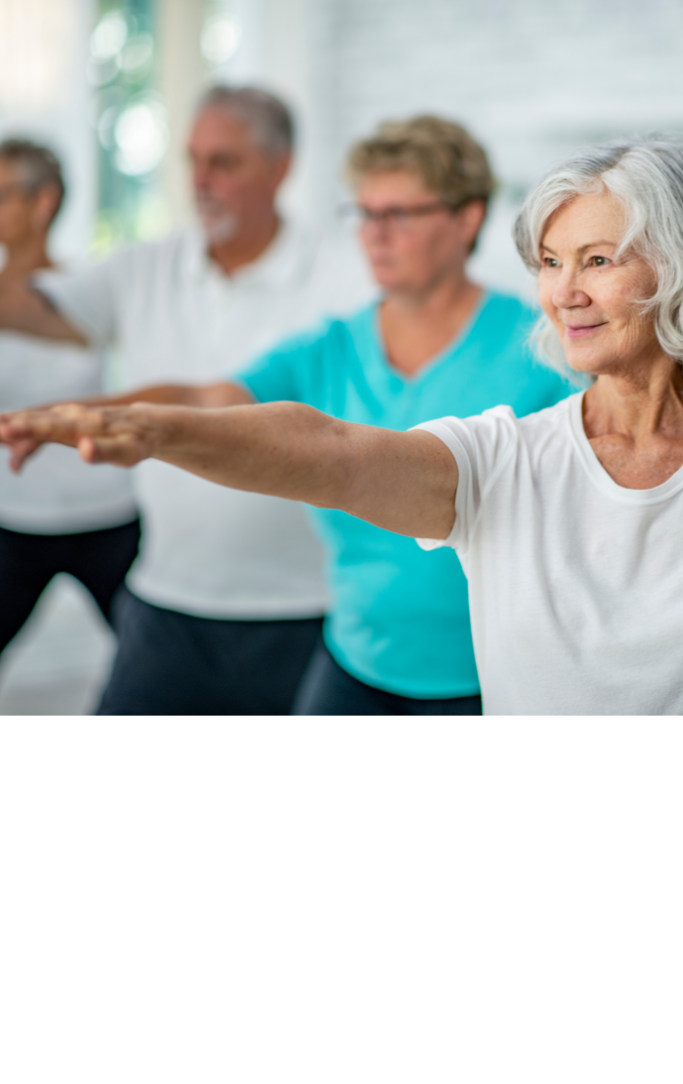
533, 79
44, 96
181, 77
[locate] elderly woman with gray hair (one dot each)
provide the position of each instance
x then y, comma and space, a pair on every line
566, 521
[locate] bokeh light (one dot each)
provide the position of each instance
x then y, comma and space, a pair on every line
140, 136
220, 37
109, 36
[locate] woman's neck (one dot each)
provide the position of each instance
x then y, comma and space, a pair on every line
23, 259
417, 326
644, 401
634, 422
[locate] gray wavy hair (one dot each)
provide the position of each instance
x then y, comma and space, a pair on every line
267, 117
646, 175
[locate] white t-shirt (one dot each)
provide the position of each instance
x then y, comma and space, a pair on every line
575, 583
56, 492
207, 550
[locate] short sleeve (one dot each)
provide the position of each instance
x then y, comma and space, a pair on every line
86, 298
284, 372
481, 447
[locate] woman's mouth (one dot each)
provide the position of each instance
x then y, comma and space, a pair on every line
579, 331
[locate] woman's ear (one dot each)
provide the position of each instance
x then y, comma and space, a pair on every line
472, 218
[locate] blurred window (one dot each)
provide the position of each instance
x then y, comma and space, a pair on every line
130, 120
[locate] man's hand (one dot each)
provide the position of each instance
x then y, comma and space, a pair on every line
119, 435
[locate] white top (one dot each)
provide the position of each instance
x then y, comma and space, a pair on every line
56, 492
575, 583
207, 550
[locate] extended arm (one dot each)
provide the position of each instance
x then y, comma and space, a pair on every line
200, 395
25, 309
223, 394
404, 482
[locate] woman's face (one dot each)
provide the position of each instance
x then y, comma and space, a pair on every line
413, 253
589, 293
15, 206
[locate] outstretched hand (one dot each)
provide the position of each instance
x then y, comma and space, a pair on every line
119, 435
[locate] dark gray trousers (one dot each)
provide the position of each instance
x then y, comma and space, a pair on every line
169, 663
328, 689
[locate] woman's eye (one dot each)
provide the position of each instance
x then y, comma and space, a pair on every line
599, 261
550, 261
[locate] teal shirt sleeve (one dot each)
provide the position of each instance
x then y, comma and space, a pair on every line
284, 373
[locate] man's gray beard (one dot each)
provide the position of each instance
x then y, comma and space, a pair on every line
218, 231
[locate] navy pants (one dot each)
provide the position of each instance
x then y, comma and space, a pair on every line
327, 689
169, 663
99, 559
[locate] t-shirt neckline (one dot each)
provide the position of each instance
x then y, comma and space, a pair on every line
600, 476
451, 347
275, 263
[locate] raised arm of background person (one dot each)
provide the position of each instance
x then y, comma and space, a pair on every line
403, 482
214, 396
29, 311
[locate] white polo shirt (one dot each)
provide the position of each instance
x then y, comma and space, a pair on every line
56, 493
206, 550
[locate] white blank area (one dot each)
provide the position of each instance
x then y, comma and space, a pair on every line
330, 900
59, 662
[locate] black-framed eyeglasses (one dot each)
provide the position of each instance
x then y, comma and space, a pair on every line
401, 216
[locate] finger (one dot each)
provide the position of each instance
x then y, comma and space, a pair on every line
58, 425
120, 451
31, 426
20, 452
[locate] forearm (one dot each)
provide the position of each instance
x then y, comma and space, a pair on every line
404, 482
281, 449
28, 311
202, 395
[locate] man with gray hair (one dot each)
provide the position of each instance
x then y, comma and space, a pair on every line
224, 604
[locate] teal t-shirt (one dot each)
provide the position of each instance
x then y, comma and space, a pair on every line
399, 617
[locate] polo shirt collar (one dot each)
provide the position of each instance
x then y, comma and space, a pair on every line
275, 267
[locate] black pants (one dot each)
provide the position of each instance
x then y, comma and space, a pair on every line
169, 663
327, 689
99, 559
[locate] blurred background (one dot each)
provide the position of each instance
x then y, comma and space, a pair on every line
111, 86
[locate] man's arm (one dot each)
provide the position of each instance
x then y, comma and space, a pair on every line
27, 310
214, 396
403, 482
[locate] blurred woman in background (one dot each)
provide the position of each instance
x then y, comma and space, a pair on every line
58, 518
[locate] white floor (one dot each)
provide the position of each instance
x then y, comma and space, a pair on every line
59, 662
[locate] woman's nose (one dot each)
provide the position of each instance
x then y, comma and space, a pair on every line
567, 293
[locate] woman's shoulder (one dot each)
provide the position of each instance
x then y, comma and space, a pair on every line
504, 323
550, 416
496, 437
502, 419
500, 305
